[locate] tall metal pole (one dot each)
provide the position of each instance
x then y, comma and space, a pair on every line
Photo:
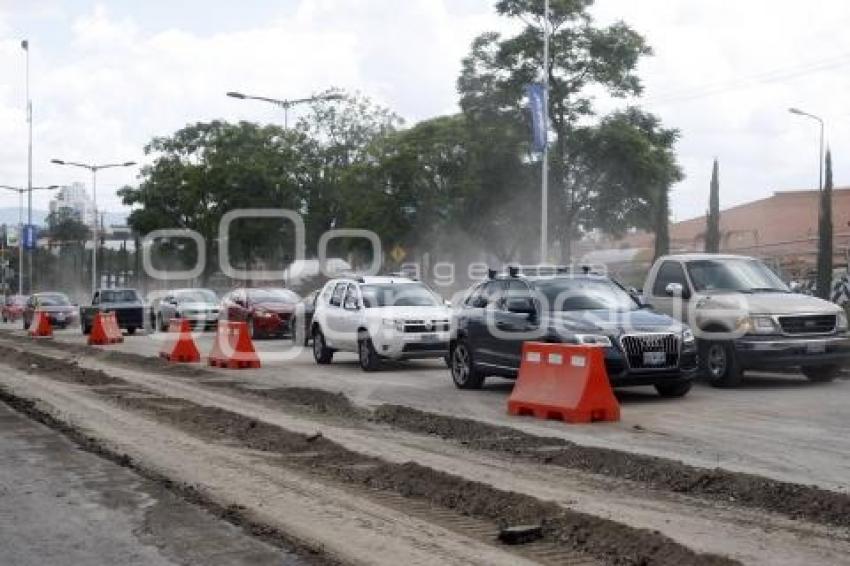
25, 45
820, 163
20, 242
95, 240
544, 214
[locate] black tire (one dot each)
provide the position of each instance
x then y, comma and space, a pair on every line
131, 330
719, 364
447, 359
464, 373
160, 323
366, 354
673, 390
86, 330
821, 374
321, 353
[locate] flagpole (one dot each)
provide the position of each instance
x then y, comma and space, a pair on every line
544, 214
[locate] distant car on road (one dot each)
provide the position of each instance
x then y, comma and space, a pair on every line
266, 311
379, 318
60, 311
125, 303
641, 347
13, 307
199, 306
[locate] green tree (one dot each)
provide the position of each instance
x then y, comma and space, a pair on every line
204, 170
712, 229
825, 255
65, 227
583, 58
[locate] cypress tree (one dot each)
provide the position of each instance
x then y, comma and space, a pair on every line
824, 283
712, 230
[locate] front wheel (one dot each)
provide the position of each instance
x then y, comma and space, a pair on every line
26, 324
673, 390
366, 354
821, 374
131, 330
720, 364
253, 332
321, 353
464, 373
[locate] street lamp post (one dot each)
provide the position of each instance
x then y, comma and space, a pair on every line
286, 104
94, 169
21, 191
799, 112
25, 45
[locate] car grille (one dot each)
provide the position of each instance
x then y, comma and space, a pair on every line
426, 326
635, 345
807, 324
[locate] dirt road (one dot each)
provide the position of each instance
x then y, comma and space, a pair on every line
363, 485
774, 425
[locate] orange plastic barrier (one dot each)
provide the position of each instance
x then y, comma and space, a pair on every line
40, 326
178, 345
563, 381
233, 348
105, 330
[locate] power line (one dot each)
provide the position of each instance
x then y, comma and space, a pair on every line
774, 76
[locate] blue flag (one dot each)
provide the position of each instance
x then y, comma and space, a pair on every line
30, 236
536, 104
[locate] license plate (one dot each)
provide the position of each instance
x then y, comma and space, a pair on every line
429, 338
816, 348
654, 358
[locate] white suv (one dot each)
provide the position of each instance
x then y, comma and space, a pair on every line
379, 317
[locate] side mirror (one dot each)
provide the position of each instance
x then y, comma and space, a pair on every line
677, 290
520, 305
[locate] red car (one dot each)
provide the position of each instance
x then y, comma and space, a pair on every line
13, 307
266, 311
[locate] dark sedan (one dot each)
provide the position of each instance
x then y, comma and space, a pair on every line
267, 312
60, 311
642, 347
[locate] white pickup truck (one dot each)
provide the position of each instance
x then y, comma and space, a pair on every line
745, 317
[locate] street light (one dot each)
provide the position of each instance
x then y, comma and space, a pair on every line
286, 104
94, 169
25, 45
21, 191
799, 112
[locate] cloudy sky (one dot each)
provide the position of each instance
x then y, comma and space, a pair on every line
106, 76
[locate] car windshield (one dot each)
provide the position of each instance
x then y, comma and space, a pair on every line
272, 296
122, 296
398, 295
742, 275
582, 294
196, 296
53, 300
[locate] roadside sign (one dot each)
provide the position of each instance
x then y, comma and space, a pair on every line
398, 253
11, 236
537, 106
30, 236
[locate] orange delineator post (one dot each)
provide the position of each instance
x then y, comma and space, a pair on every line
565, 382
105, 330
232, 347
178, 345
41, 327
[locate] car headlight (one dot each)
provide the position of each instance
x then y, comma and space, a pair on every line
398, 325
687, 336
263, 313
841, 322
593, 339
761, 325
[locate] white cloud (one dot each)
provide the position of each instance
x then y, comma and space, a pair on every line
106, 81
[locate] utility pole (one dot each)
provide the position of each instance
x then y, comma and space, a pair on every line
26, 47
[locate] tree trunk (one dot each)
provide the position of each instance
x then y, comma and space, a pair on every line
662, 223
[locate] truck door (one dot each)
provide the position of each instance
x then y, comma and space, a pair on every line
671, 291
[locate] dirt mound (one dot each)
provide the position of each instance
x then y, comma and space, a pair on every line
60, 370
317, 401
793, 500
